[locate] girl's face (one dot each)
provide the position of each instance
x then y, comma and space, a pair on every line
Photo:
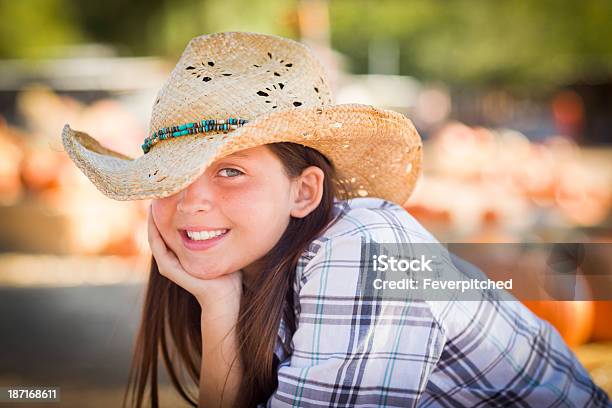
248, 198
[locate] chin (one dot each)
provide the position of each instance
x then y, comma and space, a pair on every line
203, 272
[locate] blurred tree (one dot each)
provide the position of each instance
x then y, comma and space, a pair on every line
38, 28
176, 22
33, 28
535, 43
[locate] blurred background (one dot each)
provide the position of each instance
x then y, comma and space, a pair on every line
513, 100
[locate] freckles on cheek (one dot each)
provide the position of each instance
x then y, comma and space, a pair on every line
163, 213
244, 198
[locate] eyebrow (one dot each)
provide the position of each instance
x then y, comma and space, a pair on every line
239, 154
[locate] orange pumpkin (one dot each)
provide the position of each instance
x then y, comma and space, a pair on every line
573, 319
602, 327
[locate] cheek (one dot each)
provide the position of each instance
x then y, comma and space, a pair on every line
261, 215
258, 206
163, 213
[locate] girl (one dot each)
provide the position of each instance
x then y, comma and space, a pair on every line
266, 202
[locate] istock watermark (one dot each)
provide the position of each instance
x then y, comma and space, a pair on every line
384, 263
513, 271
422, 277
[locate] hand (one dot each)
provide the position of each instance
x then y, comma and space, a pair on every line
217, 293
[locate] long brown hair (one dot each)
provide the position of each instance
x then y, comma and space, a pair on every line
170, 320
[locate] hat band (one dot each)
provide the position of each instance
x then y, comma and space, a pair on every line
203, 126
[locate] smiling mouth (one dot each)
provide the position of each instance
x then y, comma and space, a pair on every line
204, 235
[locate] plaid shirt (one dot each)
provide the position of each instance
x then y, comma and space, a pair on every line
349, 351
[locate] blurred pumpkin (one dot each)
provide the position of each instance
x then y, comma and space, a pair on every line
602, 326
461, 151
11, 153
573, 319
40, 168
583, 194
535, 176
598, 265
428, 214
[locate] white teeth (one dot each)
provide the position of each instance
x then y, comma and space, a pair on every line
204, 235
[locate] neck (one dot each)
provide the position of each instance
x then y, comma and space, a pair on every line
249, 273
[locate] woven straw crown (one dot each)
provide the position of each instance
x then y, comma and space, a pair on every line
239, 75
280, 88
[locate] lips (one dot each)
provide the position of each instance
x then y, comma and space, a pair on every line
204, 244
204, 235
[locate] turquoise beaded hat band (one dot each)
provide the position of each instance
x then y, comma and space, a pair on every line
203, 126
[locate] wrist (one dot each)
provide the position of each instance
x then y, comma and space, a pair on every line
219, 308
224, 294
221, 370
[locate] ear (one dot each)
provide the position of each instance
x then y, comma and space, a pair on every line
308, 191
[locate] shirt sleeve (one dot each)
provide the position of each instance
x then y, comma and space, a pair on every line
352, 348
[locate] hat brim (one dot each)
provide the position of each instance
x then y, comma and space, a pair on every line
376, 152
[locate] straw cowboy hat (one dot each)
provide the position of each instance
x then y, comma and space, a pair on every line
235, 90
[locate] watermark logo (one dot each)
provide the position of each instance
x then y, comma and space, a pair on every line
385, 263
472, 271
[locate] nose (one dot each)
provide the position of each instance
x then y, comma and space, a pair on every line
196, 197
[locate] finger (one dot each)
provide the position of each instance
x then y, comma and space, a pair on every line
165, 258
158, 247
167, 262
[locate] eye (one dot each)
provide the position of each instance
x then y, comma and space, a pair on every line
236, 172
